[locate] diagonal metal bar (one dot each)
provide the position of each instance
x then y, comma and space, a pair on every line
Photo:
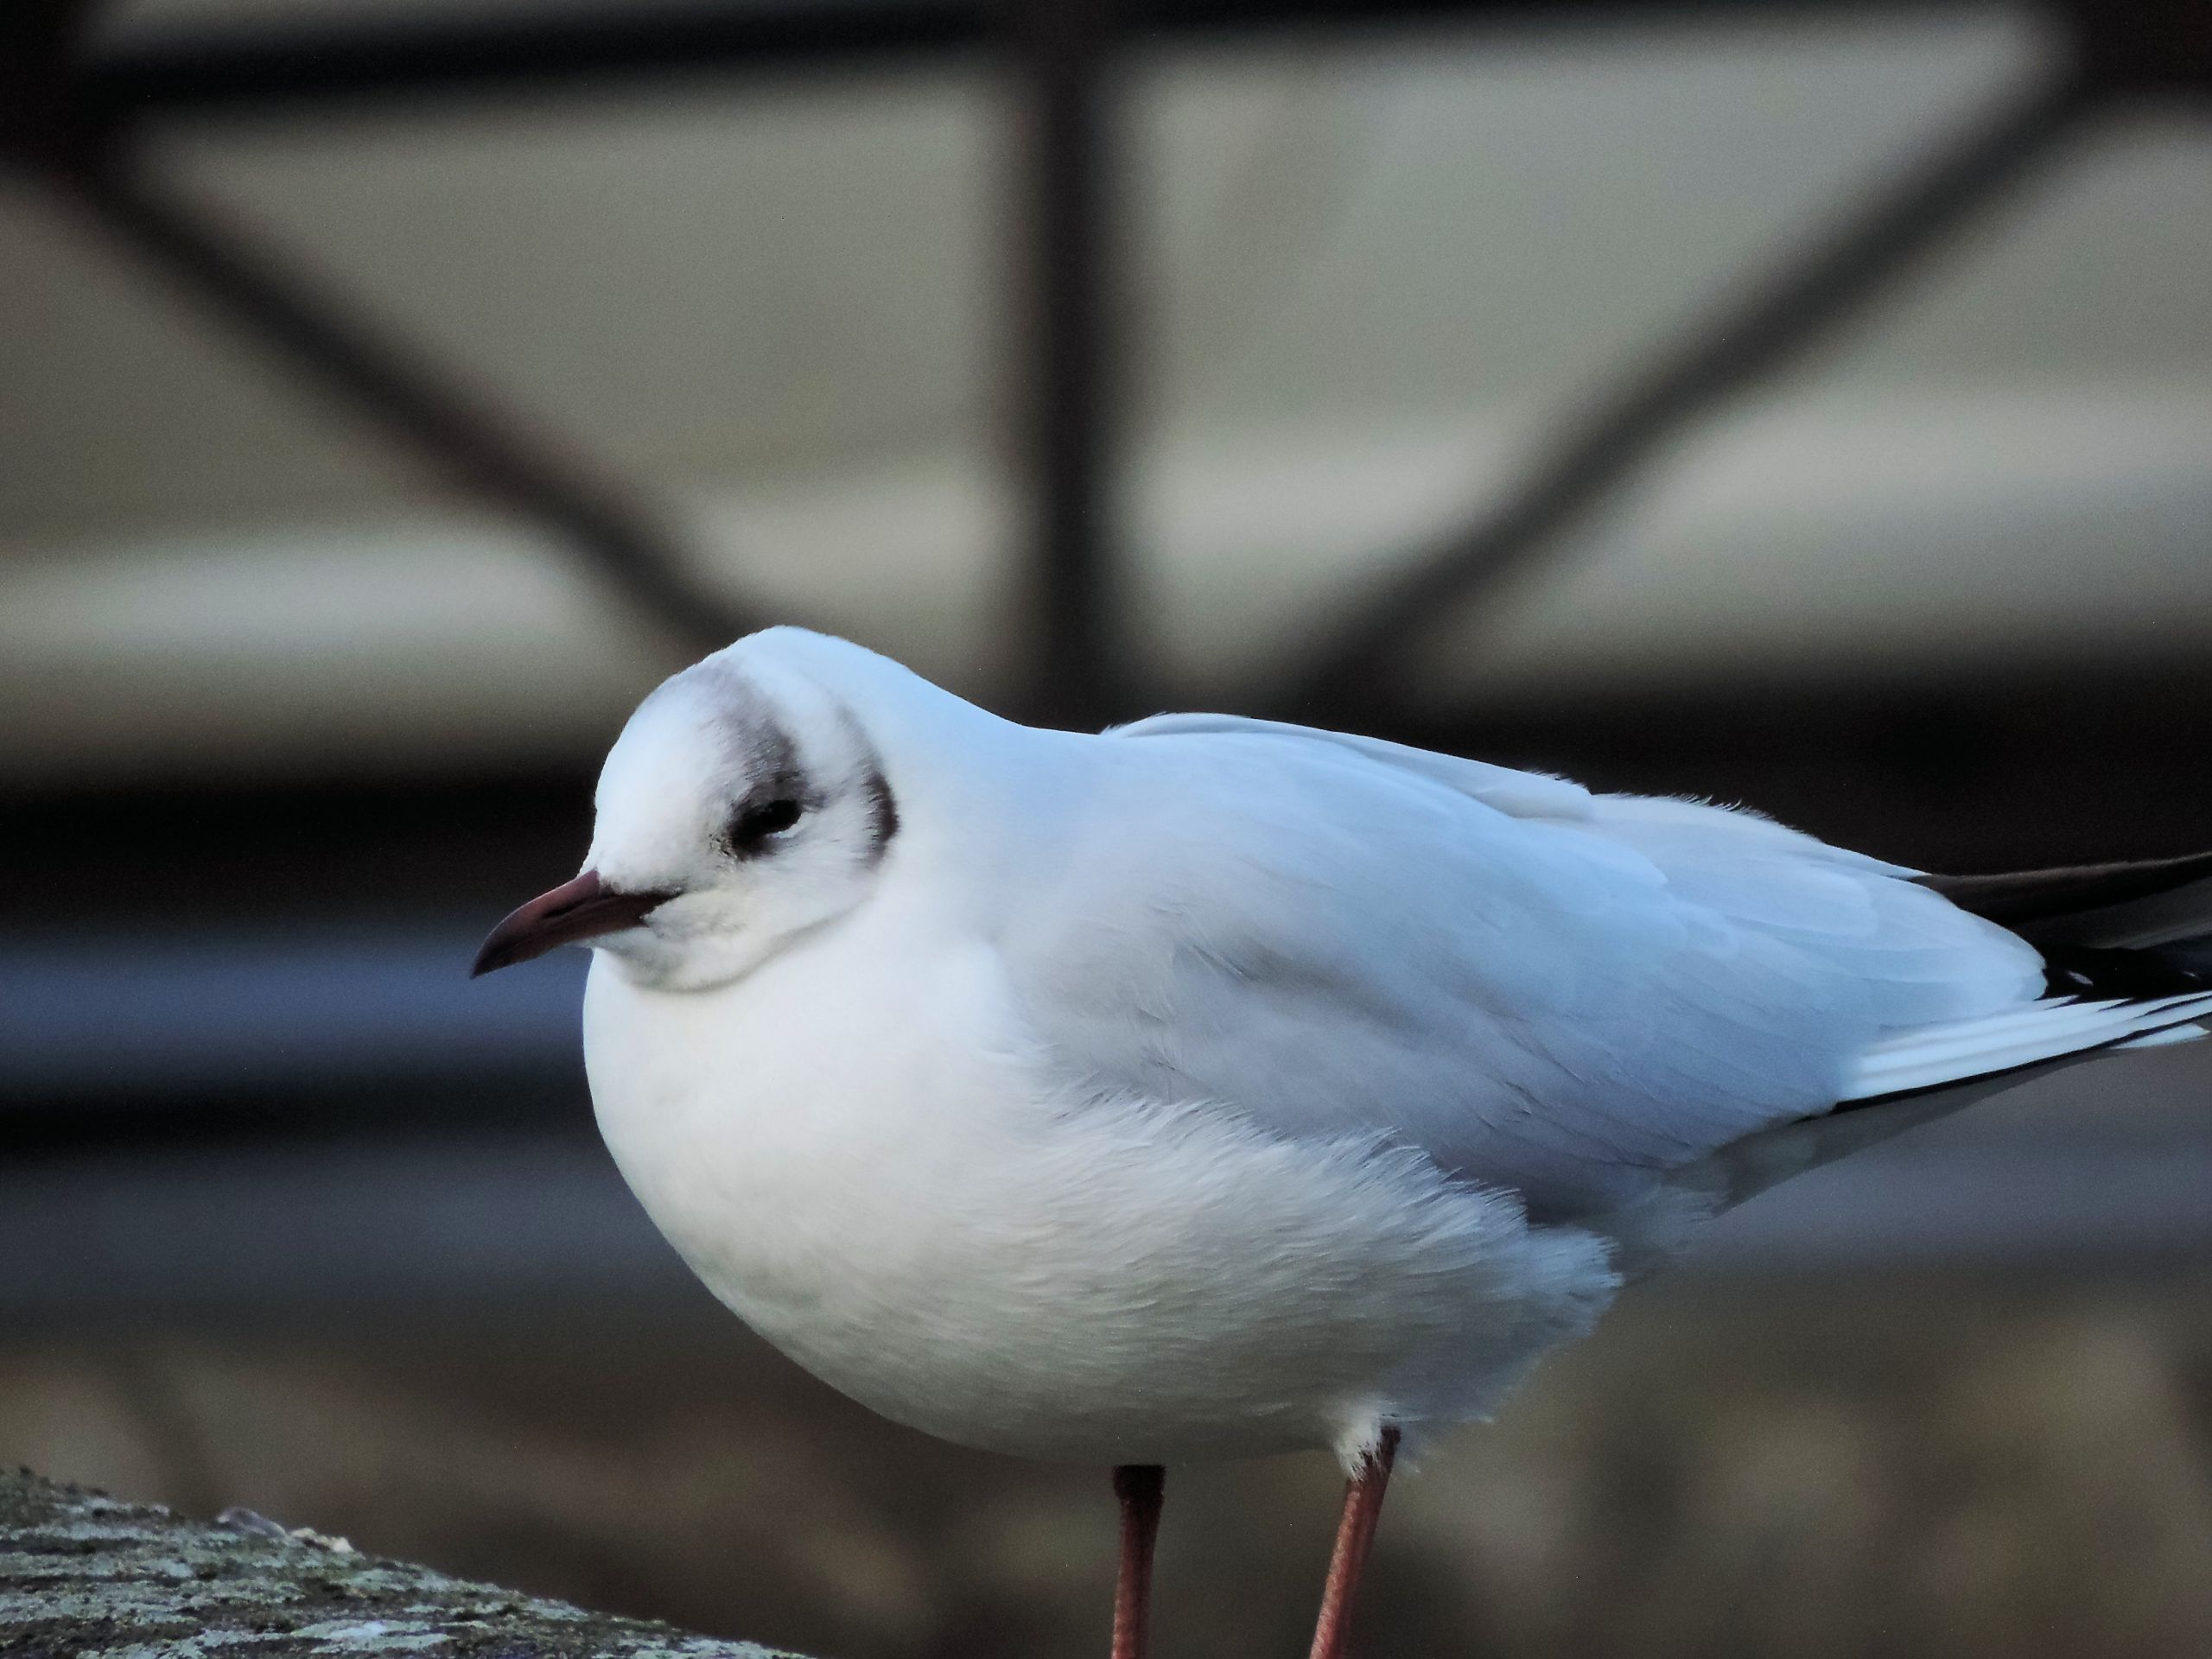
481, 448
1778, 322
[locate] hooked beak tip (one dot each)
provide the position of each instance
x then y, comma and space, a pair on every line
571, 913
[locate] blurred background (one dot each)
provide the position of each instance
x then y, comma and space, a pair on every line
1808, 406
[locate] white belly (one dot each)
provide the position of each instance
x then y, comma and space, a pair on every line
866, 1171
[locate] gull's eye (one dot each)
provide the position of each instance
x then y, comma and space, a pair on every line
751, 827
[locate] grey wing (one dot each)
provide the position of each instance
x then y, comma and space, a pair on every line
1557, 993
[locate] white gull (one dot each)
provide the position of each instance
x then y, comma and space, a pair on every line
1209, 1087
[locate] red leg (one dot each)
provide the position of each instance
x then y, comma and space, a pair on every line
1354, 1537
1139, 1486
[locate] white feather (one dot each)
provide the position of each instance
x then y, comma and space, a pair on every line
2045, 1030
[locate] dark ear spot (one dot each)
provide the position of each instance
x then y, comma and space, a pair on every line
882, 810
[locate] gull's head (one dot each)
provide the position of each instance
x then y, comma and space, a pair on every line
744, 805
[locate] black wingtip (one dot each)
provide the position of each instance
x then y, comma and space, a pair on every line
2029, 901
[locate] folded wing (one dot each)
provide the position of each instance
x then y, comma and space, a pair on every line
1564, 995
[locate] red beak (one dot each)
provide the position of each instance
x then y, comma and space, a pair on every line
577, 910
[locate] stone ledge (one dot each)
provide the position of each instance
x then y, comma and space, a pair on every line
84, 1576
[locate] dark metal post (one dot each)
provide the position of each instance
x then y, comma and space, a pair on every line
1064, 67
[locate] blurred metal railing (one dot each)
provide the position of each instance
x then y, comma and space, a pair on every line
76, 115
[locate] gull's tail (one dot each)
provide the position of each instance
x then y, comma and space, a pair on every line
2127, 963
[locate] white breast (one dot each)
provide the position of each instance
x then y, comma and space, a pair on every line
851, 1148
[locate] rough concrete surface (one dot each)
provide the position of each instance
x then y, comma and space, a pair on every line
2011, 1465
86, 1576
